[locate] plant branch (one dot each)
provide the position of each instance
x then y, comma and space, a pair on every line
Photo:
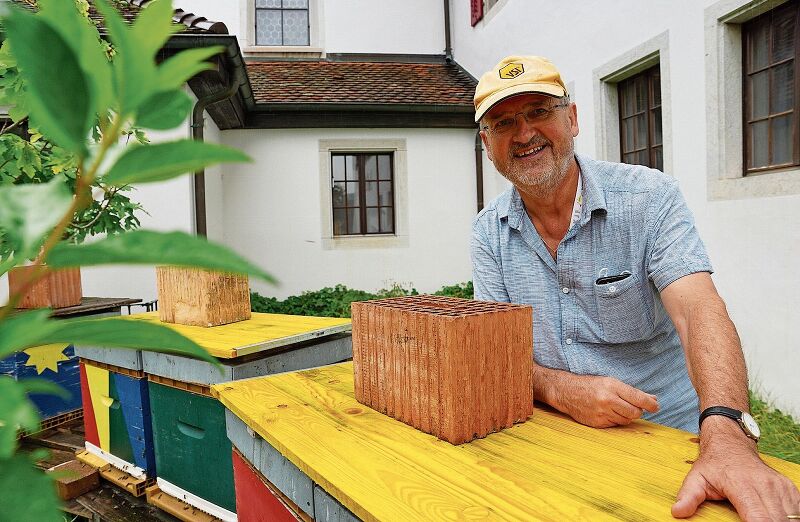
83, 184
12, 126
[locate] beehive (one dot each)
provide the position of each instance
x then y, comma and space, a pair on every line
455, 368
201, 297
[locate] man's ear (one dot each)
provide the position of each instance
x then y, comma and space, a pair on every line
485, 140
573, 119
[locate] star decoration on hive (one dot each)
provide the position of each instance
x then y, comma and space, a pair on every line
46, 357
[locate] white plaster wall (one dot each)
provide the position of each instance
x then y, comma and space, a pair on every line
753, 243
272, 212
213, 177
349, 26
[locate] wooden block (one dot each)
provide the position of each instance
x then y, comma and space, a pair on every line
74, 478
200, 297
176, 507
58, 289
134, 486
455, 368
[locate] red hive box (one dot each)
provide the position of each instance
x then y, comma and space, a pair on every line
455, 368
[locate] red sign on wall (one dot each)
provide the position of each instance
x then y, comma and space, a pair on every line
476, 10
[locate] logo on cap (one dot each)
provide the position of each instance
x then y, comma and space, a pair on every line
511, 71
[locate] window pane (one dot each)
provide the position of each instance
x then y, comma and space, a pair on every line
783, 33
371, 167
781, 140
372, 193
338, 194
659, 163
655, 82
295, 27
629, 158
339, 222
641, 94
295, 4
385, 191
642, 158
353, 221
351, 164
338, 168
352, 194
759, 45
628, 135
387, 223
372, 221
657, 137
641, 131
759, 95
268, 3
759, 143
628, 94
385, 166
782, 98
268, 27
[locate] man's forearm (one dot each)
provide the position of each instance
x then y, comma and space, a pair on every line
549, 385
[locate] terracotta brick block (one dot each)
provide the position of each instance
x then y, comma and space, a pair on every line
74, 478
58, 289
455, 368
201, 297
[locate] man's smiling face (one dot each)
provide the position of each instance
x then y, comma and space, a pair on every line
533, 155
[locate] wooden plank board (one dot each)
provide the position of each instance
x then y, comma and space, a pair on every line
546, 468
261, 332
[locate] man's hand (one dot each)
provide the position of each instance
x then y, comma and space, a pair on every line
599, 402
732, 469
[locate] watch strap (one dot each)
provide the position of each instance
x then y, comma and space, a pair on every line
720, 410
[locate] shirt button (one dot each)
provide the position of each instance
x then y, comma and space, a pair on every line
565, 290
569, 340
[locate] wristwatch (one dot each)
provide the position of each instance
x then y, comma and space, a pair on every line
745, 420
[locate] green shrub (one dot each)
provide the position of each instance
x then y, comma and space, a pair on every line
335, 302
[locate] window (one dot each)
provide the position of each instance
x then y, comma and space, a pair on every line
771, 73
641, 139
362, 193
282, 22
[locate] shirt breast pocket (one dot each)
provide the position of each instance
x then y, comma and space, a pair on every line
623, 309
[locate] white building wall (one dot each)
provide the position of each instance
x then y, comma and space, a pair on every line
753, 242
272, 211
345, 26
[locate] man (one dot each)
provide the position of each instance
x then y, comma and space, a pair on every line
627, 321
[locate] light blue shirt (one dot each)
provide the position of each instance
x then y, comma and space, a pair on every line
634, 219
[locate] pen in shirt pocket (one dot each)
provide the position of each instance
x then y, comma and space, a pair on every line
612, 278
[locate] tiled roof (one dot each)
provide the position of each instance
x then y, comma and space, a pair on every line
129, 10
328, 82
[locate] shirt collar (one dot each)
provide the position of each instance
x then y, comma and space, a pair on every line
593, 195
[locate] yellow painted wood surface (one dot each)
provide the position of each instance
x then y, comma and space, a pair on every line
97, 379
549, 468
259, 333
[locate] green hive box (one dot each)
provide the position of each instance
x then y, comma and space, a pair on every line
193, 456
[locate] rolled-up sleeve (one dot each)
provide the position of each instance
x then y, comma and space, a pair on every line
487, 273
674, 245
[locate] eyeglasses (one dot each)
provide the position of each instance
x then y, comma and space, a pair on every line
531, 115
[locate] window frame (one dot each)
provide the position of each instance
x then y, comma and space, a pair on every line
651, 75
282, 10
724, 123
746, 35
314, 49
362, 200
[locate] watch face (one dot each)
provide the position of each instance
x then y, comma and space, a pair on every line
750, 424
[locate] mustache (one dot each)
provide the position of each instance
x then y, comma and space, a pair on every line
536, 141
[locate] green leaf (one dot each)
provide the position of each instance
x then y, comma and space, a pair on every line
112, 332
84, 40
164, 110
178, 69
151, 248
167, 160
44, 387
134, 72
29, 212
62, 108
23, 330
153, 27
27, 493
16, 411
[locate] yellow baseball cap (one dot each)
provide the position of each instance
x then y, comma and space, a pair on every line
517, 75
